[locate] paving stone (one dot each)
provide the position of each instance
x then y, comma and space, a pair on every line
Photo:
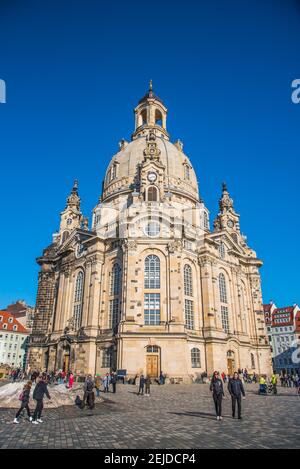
179, 416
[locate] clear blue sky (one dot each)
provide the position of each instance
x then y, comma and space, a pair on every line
75, 70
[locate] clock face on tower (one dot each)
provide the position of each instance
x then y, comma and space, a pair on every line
152, 176
230, 224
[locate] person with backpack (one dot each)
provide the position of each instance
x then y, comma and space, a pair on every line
216, 387
24, 398
89, 395
38, 395
236, 390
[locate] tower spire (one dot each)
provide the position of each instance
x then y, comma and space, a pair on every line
227, 218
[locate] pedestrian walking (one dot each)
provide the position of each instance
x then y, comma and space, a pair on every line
147, 386
70, 380
38, 395
106, 381
141, 386
24, 398
89, 395
216, 387
113, 380
97, 384
236, 390
274, 383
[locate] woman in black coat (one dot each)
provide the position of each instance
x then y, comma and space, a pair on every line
216, 387
24, 398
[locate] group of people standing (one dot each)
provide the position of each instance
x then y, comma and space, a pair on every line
236, 391
110, 379
58, 377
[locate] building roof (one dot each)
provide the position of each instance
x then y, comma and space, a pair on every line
10, 325
286, 320
267, 307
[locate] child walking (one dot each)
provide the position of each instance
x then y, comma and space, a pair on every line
24, 398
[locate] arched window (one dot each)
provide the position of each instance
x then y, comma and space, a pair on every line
188, 281
222, 288
195, 358
152, 349
152, 194
205, 221
158, 118
65, 236
78, 297
186, 172
152, 272
114, 171
222, 250
115, 280
114, 292
252, 361
144, 117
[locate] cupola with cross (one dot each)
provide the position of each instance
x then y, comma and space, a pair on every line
150, 113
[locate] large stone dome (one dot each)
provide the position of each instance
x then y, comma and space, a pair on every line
124, 166
150, 126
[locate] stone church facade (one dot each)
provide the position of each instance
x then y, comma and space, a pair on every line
149, 287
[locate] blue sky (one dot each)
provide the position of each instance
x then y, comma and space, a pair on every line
74, 72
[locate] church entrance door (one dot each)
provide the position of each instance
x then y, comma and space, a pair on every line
152, 366
66, 363
230, 366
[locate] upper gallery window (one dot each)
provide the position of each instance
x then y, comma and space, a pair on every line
222, 250
222, 288
152, 272
115, 280
205, 221
188, 281
78, 297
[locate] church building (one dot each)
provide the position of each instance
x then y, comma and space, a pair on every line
149, 286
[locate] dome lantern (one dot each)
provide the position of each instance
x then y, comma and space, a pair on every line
150, 114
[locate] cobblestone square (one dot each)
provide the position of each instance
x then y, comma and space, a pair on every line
174, 416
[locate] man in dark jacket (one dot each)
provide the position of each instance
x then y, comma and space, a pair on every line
236, 390
142, 384
89, 395
113, 380
38, 394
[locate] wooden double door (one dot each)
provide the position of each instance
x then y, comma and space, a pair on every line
230, 366
152, 366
